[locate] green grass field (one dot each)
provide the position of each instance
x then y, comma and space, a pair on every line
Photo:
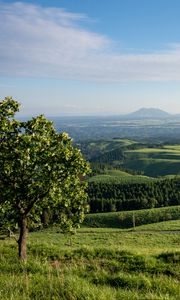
164, 226
97, 265
173, 225
154, 167
154, 161
125, 219
119, 177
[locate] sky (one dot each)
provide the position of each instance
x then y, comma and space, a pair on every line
89, 57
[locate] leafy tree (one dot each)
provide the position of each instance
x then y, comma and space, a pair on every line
39, 169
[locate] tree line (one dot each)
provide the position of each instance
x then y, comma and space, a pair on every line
106, 197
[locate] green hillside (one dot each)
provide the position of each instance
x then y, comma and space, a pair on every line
95, 149
118, 177
101, 264
131, 156
126, 219
154, 161
173, 225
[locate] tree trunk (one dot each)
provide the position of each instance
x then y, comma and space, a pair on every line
22, 239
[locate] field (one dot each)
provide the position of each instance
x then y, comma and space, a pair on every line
173, 225
101, 265
126, 219
120, 177
154, 161
95, 264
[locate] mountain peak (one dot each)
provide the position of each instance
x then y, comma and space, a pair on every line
150, 113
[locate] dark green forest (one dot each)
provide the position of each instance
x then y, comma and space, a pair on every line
104, 197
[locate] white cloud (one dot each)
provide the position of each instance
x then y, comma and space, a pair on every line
51, 42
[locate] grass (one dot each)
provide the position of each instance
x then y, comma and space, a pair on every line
97, 263
154, 161
119, 177
125, 219
154, 167
166, 149
173, 225
118, 173
169, 226
102, 265
173, 147
104, 178
125, 142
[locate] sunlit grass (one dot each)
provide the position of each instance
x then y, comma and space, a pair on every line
97, 263
125, 219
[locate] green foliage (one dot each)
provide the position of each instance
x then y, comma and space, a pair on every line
132, 192
39, 168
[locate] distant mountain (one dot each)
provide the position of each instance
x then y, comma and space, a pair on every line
153, 113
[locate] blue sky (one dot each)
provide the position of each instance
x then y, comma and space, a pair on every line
90, 57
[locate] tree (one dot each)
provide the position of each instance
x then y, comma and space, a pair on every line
39, 169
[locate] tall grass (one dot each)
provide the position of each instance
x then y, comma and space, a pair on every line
91, 268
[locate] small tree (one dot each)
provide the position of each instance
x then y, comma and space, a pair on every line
39, 168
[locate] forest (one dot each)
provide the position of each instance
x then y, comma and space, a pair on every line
104, 197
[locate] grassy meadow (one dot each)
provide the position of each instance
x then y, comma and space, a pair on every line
154, 161
120, 177
125, 219
95, 263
